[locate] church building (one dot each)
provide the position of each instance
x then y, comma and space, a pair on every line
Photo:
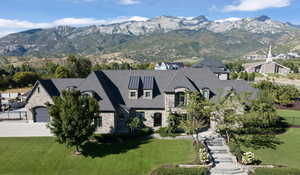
268, 66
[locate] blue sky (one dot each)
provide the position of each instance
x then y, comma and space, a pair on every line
17, 15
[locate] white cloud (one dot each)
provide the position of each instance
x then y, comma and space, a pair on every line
8, 26
254, 5
129, 2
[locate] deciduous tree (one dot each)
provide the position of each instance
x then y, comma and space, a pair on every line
73, 118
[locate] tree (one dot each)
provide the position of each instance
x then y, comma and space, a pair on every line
62, 72
251, 76
73, 118
25, 78
134, 123
291, 65
235, 67
282, 94
198, 114
173, 123
233, 75
78, 67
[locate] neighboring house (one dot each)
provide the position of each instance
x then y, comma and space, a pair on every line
216, 66
150, 95
268, 66
169, 66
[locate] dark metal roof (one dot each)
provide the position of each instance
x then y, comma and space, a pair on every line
148, 82
134, 82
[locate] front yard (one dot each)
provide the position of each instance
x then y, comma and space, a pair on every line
287, 153
135, 157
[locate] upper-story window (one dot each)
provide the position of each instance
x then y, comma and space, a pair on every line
148, 94
133, 94
180, 99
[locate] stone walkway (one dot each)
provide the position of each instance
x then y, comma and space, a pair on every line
224, 162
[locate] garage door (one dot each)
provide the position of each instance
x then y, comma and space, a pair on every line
41, 115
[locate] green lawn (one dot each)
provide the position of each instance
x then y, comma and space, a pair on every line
291, 116
287, 153
43, 156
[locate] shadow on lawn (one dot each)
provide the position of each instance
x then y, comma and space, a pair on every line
266, 139
112, 145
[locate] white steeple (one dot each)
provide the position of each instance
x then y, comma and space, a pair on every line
270, 56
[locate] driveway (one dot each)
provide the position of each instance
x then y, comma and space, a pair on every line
23, 129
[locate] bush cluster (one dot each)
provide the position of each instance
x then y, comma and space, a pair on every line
165, 132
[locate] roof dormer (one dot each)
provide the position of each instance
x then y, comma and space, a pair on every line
148, 86
133, 87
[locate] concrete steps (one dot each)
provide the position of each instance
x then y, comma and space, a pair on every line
225, 162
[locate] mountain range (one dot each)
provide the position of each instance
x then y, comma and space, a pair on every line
159, 38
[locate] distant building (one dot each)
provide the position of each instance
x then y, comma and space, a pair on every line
255, 57
268, 66
168, 66
216, 66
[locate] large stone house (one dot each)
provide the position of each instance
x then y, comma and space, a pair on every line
216, 66
150, 95
268, 66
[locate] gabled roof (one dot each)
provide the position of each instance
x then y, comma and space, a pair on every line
112, 86
213, 63
255, 64
180, 81
48, 85
94, 82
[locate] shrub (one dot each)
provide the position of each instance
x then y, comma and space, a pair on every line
248, 158
203, 156
173, 123
164, 132
144, 132
277, 171
180, 171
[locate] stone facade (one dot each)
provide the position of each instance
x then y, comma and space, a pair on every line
108, 123
39, 98
149, 118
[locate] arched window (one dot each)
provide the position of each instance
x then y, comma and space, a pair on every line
157, 119
180, 99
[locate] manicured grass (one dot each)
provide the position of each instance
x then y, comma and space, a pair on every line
36, 156
277, 171
288, 153
291, 116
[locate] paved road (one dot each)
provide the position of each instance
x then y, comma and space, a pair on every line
23, 129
